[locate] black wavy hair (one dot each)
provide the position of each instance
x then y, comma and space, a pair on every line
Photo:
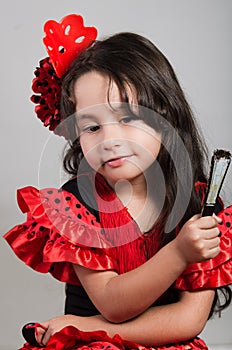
129, 59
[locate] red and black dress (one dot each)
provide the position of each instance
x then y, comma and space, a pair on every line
101, 235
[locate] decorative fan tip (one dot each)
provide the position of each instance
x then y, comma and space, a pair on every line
221, 153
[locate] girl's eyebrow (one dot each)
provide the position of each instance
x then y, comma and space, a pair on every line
84, 116
121, 108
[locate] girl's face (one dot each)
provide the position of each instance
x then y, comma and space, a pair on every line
115, 143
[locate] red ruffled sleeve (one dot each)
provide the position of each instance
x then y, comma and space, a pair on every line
59, 232
216, 272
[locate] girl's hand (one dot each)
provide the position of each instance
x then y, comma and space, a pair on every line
198, 240
54, 325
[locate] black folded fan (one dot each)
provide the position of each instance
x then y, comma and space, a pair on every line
219, 165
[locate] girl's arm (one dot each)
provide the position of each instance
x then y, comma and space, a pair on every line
156, 326
122, 297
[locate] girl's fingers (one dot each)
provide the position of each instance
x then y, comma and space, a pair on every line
214, 252
210, 248
211, 233
212, 243
46, 335
219, 220
45, 338
39, 334
208, 222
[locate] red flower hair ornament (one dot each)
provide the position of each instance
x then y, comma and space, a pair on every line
64, 40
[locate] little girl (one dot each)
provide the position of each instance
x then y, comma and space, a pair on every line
142, 268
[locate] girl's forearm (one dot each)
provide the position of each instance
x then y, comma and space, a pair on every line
162, 324
149, 328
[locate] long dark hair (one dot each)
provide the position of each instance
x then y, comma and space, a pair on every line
129, 59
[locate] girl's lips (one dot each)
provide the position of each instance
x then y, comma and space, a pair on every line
114, 163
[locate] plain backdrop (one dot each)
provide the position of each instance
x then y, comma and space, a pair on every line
195, 35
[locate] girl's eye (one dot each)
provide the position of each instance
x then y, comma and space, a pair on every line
90, 129
129, 118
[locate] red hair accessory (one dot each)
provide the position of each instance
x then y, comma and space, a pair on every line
66, 39
63, 41
47, 87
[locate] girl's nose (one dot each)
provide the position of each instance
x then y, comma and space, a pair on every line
112, 136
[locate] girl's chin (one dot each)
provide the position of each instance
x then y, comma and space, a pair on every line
116, 176
120, 170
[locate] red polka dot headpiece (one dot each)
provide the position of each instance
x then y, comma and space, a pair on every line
64, 41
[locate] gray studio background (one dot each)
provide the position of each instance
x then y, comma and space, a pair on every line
195, 35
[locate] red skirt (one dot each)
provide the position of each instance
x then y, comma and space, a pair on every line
70, 338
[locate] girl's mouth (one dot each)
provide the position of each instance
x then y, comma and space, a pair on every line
116, 162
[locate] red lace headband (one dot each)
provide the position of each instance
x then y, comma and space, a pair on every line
64, 40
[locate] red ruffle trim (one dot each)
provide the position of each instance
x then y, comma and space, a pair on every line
216, 272
70, 338
58, 233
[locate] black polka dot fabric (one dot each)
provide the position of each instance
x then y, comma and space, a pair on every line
63, 203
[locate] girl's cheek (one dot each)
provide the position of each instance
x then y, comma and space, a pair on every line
90, 154
83, 144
